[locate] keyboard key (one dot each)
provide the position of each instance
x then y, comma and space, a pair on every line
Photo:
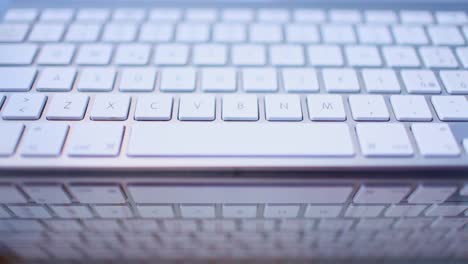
420, 82
265, 33
445, 210
110, 107
93, 14
400, 56
17, 54
411, 35
273, 15
97, 194
96, 140
171, 54
283, 108
197, 211
464, 190
435, 140
56, 79
13, 32
445, 35
462, 53
56, 54
416, 17
64, 226
137, 80
239, 211
47, 32
381, 194
30, 211
451, 108
451, 17
383, 140
154, 32
326, 108
325, 55
345, 16
237, 15
373, 34
154, 107
340, 80
159, 194
72, 211
297, 80
113, 211
197, 108
338, 34
455, 82
11, 133
21, 15
165, 14
155, 211
23, 81
368, 108
431, 194
381, 16
83, 32
229, 32
240, 107
44, 140
192, 32
281, 211
403, 210
363, 56
218, 80
259, 80
260, 141
249, 55
178, 80
24, 107
362, 211
438, 57
94, 54
410, 108
96, 80
132, 54
309, 15
129, 14
286, 55
302, 33
209, 54
381, 81
47, 194
323, 211
201, 14
119, 32
57, 15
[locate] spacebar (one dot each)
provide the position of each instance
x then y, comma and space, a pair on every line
240, 140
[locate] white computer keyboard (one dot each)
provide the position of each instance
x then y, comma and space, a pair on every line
306, 83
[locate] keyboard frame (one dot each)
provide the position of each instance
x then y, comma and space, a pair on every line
357, 163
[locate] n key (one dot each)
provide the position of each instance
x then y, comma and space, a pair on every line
24, 107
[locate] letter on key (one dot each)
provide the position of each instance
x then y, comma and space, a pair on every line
96, 140
110, 107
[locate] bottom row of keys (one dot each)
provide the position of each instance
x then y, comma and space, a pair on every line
228, 139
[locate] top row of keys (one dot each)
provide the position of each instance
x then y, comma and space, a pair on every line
237, 15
